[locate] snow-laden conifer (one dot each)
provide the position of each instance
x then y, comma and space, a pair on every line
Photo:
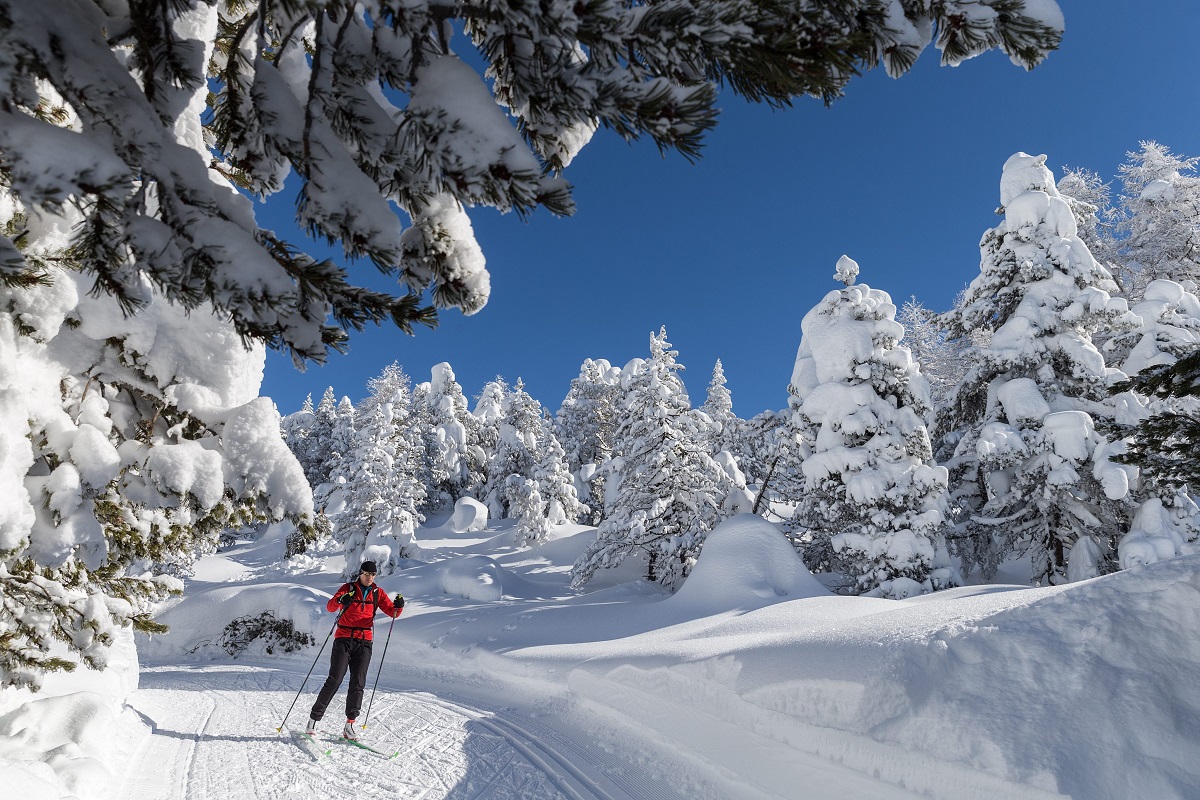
315, 449
126, 450
1096, 221
718, 407
1157, 410
295, 429
585, 423
941, 358
1159, 228
452, 438
1031, 473
666, 490
373, 106
383, 493
527, 470
872, 503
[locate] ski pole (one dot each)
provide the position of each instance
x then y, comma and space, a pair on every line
310, 669
378, 672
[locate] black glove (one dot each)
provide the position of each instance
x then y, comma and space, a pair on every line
346, 599
399, 601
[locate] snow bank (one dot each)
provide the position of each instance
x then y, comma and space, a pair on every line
198, 620
1089, 690
1086, 689
61, 741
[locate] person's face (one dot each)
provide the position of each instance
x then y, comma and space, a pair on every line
366, 578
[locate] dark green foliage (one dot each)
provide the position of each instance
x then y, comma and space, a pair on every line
272, 632
1164, 444
336, 92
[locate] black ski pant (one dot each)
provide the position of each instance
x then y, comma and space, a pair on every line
356, 655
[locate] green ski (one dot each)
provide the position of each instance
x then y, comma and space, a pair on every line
359, 744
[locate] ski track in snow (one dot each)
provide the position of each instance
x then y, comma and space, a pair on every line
213, 734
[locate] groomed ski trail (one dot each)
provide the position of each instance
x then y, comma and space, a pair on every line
209, 731
212, 734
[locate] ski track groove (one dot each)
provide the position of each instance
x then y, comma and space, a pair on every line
209, 738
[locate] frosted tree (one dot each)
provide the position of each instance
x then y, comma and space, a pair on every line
718, 407
516, 430
872, 505
455, 436
769, 453
314, 451
528, 457
374, 108
941, 358
339, 459
527, 507
341, 441
1096, 220
489, 410
431, 467
554, 479
295, 429
669, 492
1157, 413
126, 450
384, 492
1159, 228
585, 424
1032, 475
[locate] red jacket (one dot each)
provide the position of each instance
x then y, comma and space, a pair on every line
359, 617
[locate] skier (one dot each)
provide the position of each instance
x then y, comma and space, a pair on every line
356, 604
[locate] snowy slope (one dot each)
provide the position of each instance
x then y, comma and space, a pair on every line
751, 681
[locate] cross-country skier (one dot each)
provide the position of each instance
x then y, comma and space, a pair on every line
357, 603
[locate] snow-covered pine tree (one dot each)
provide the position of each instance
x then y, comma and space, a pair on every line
455, 436
769, 453
941, 358
383, 493
1157, 413
527, 457
126, 450
329, 495
1031, 475
489, 409
371, 105
1159, 229
315, 452
295, 429
718, 406
341, 443
872, 507
555, 482
1096, 220
515, 453
585, 424
525, 504
669, 491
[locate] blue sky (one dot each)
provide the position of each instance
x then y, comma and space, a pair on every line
731, 252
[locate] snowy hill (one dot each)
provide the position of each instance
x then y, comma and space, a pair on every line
750, 681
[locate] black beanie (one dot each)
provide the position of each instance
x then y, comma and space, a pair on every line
368, 566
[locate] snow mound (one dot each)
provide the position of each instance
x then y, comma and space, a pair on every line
473, 578
746, 563
199, 619
469, 515
58, 741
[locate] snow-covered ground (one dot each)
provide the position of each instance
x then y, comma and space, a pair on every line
751, 681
